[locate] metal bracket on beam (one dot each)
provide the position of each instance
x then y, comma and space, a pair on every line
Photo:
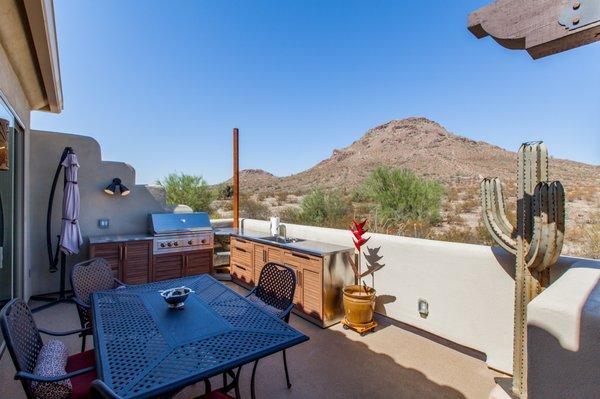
579, 13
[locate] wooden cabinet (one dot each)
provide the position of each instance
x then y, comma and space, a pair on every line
242, 260
248, 258
130, 261
178, 264
133, 262
111, 252
168, 266
198, 262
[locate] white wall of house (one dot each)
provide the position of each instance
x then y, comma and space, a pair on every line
469, 288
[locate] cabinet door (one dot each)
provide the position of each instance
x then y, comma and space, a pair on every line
168, 266
111, 252
275, 254
312, 290
137, 262
198, 262
260, 259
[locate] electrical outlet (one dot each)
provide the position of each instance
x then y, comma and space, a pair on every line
103, 223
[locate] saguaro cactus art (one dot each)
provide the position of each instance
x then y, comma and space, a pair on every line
536, 240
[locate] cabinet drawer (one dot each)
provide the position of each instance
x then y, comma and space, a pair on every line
241, 254
242, 272
306, 261
274, 255
243, 244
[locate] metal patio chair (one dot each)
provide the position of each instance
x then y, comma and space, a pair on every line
87, 277
24, 344
275, 293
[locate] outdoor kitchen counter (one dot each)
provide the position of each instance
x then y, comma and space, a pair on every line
310, 247
119, 238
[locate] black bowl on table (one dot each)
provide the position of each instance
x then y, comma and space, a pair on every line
176, 297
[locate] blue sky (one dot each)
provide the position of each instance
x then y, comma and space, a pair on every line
160, 84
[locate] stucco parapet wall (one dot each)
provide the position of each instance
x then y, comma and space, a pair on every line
561, 307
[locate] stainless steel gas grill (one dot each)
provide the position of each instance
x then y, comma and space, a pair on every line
182, 245
181, 232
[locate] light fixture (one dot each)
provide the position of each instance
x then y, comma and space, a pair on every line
111, 189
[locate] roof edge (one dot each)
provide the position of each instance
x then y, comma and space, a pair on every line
40, 14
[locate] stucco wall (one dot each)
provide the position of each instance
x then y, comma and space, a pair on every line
563, 340
126, 214
469, 288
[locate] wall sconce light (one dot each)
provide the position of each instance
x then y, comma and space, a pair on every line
116, 184
423, 308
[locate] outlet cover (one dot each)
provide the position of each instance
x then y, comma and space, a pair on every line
103, 223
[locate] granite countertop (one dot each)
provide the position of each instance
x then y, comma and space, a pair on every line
310, 247
119, 238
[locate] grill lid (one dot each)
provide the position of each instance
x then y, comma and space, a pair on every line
170, 223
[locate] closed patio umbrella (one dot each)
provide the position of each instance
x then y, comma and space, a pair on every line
70, 234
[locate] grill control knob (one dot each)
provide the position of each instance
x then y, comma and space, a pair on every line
190, 242
176, 243
203, 241
169, 244
162, 244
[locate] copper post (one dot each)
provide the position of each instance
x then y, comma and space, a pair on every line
236, 178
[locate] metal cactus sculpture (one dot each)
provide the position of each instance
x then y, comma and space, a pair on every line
536, 240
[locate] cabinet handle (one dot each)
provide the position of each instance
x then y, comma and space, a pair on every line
299, 278
264, 255
240, 267
240, 240
120, 251
240, 249
124, 251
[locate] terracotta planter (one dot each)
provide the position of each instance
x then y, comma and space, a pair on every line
359, 305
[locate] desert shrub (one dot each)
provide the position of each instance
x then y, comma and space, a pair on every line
223, 191
320, 209
401, 195
252, 209
467, 205
281, 197
592, 249
189, 190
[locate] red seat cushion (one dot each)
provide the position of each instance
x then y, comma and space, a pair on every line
81, 383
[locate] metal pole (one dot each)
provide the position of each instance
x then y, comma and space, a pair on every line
236, 178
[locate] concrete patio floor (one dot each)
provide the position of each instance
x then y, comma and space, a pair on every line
396, 361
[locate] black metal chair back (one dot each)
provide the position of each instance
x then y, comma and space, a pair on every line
22, 337
91, 276
276, 287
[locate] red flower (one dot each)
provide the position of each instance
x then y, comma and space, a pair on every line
358, 231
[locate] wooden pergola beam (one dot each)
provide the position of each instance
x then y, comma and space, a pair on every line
542, 27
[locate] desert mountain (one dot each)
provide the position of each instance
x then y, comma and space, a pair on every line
418, 144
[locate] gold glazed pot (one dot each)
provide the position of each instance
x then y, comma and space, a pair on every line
359, 305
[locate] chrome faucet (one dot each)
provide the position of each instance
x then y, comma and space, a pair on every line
282, 227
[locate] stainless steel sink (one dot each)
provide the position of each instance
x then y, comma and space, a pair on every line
282, 240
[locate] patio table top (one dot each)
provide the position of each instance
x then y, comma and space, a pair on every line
145, 349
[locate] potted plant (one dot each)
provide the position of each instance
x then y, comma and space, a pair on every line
359, 299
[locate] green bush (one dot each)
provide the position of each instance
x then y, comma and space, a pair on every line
321, 209
189, 190
400, 196
252, 209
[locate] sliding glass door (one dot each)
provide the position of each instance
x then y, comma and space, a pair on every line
7, 204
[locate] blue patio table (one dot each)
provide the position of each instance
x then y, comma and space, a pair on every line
144, 349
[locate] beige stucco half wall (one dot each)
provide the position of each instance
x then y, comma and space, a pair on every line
563, 330
127, 215
469, 288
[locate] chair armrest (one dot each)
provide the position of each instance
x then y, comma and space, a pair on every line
100, 390
63, 333
24, 375
285, 314
251, 292
118, 283
78, 302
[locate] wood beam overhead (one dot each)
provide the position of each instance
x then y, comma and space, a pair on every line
542, 27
